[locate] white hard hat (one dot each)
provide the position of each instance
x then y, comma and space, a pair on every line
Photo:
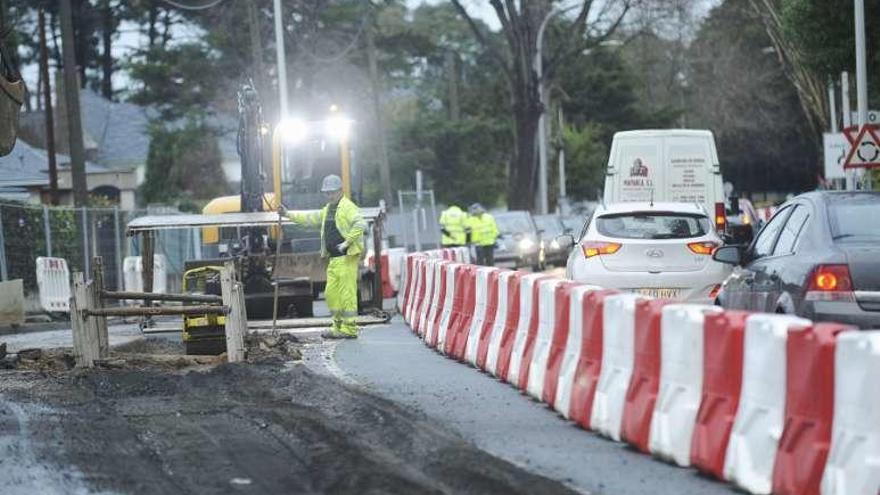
331, 183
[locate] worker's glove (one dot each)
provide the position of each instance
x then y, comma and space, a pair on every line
282, 211
445, 232
342, 247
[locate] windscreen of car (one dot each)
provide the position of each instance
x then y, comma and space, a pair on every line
855, 218
653, 225
550, 225
514, 223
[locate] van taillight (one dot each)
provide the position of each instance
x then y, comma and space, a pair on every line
720, 217
830, 283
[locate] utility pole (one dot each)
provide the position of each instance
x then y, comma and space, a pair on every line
847, 122
281, 58
832, 105
50, 118
376, 89
256, 49
861, 75
71, 93
563, 199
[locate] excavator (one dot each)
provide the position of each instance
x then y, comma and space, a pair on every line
12, 91
279, 264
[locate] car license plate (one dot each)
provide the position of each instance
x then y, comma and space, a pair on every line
659, 292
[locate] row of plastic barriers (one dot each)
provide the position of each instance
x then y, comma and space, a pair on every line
770, 403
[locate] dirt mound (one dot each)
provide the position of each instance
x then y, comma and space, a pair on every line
262, 428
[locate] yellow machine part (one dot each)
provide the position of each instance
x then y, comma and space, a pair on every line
229, 204
192, 322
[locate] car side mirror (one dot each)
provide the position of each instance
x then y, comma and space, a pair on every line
565, 240
732, 255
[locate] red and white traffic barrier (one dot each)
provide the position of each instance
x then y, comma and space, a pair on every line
767, 402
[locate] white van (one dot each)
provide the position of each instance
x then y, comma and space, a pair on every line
674, 165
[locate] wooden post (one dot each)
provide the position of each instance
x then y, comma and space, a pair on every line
85, 334
97, 288
236, 321
147, 259
377, 261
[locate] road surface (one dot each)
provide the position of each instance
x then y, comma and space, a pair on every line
390, 361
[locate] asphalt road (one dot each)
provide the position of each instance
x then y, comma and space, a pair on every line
392, 362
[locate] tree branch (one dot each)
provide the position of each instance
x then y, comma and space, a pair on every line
492, 49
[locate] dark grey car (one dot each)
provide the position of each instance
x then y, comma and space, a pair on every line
549, 228
818, 257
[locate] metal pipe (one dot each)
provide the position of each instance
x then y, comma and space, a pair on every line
117, 245
48, 231
3, 275
85, 227
206, 298
281, 58
832, 105
861, 64
159, 311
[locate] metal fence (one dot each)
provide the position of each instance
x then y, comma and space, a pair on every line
415, 225
78, 234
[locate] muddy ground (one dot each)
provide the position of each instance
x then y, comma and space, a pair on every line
270, 426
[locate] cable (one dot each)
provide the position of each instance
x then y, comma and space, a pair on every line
193, 7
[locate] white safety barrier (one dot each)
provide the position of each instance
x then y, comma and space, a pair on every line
681, 381
132, 269
527, 284
414, 299
446, 315
421, 318
618, 334
760, 415
53, 283
500, 321
572, 350
541, 347
395, 257
481, 298
429, 334
853, 466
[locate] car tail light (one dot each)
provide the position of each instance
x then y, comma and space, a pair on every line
830, 283
720, 217
596, 248
707, 247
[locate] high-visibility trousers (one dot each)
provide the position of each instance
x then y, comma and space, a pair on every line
341, 293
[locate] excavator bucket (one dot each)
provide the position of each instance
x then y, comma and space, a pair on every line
12, 91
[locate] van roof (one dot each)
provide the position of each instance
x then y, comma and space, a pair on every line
644, 206
663, 133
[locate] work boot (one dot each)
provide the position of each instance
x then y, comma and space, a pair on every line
336, 334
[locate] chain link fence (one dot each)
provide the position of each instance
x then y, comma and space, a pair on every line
78, 234
415, 225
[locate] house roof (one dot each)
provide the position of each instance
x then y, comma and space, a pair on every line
27, 166
120, 130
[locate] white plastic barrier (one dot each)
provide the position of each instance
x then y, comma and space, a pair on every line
681, 381
132, 269
572, 350
402, 284
428, 299
527, 284
53, 283
446, 316
428, 333
500, 322
760, 415
415, 288
541, 348
619, 315
481, 298
853, 466
395, 257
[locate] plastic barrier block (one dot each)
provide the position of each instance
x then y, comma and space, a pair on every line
481, 311
437, 305
444, 345
534, 368
508, 317
754, 439
528, 325
645, 382
133, 280
589, 363
395, 258
428, 298
722, 380
556, 348
809, 408
570, 350
617, 364
853, 465
53, 284
418, 293
406, 278
496, 281
456, 345
515, 295
442, 326
681, 381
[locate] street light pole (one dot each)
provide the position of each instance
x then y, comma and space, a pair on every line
281, 60
543, 203
861, 72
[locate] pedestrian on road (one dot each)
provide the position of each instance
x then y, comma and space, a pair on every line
452, 226
483, 233
342, 232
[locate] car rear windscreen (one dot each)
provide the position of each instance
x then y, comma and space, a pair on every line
653, 225
856, 218
514, 223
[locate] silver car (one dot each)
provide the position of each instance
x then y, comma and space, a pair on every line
518, 244
657, 249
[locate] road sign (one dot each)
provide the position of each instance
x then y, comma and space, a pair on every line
873, 117
836, 148
864, 149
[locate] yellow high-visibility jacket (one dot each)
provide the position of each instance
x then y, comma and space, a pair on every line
452, 220
484, 230
348, 220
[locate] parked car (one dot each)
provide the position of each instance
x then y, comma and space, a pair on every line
549, 228
818, 257
518, 244
657, 249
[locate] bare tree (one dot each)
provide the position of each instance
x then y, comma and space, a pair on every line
515, 55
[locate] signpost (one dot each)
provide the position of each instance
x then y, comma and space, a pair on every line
836, 148
864, 151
